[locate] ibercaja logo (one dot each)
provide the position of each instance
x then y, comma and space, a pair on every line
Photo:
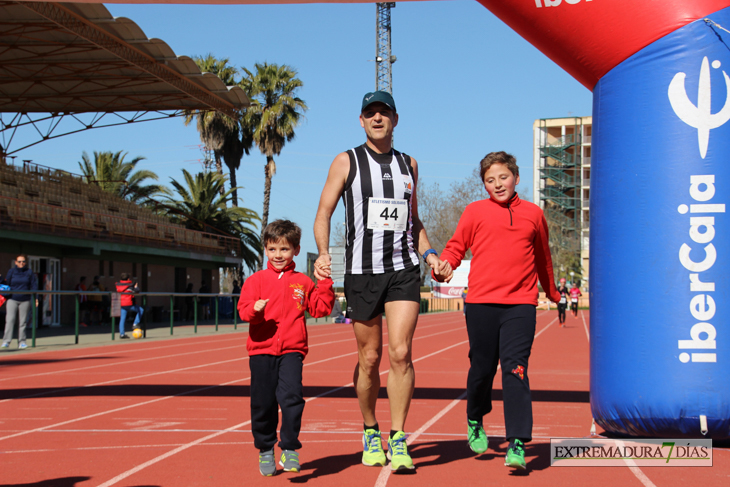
605, 452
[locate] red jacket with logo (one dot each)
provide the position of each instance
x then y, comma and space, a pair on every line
509, 244
281, 326
127, 290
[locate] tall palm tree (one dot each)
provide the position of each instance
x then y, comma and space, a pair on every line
275, 112
201, 206
219, 132
112, 173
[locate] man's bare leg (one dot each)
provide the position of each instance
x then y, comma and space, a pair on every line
369, 336
401, 317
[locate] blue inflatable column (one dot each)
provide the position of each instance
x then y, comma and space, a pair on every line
660, 238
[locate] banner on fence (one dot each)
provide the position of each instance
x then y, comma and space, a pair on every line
116, 310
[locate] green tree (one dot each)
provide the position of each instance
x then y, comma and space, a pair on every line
225, 136
112, 173
199, 205
274, 114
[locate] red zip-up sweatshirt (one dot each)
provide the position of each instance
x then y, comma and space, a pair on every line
509, 245
281, 326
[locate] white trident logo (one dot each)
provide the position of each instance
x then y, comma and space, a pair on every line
700, 116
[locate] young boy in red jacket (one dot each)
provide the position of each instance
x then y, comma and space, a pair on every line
273, 301
508, 238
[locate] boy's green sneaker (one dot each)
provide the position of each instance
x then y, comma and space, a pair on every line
516, 456
398, 453
267, 464
476, 437
290, 461
372, 449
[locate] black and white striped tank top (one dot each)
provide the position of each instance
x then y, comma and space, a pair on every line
383, 183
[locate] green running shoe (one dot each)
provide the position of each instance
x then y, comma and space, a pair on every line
476, 437
372, 449
516, 456
398, 453
290, 461
267, 464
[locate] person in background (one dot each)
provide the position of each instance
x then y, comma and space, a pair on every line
83, 301
574, 295
563, 303
19, 278
204, 301
128, 290
95, 302
188, 301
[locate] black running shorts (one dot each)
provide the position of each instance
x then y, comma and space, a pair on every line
367, 294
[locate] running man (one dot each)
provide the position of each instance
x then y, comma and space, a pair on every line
382, 272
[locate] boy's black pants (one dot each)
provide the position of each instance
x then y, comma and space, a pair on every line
276, 381
501, 333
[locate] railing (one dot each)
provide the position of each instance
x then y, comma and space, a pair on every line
56, 220
145, 315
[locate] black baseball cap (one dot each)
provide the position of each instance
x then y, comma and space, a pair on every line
378, 97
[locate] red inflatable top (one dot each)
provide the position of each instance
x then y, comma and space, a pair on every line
588, 38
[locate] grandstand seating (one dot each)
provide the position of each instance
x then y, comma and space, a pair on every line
49, 200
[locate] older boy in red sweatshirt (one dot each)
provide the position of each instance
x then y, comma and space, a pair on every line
508, 238
273, 301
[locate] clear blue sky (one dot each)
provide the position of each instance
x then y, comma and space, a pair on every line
465, 84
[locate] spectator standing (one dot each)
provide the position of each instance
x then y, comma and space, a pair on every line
95, 306
188, 300
19, 278
83, 301
204, 301
128, 290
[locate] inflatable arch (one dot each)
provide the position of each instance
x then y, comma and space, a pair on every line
660, 183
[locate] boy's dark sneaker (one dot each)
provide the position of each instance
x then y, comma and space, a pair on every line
290, 461
267, 464
476, 437
516, 456
123, 337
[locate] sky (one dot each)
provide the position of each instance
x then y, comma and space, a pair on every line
464, 83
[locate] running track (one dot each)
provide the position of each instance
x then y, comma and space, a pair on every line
176, 413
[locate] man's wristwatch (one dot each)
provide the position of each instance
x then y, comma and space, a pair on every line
429, 252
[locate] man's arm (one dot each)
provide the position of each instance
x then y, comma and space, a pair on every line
333, 188
440, 268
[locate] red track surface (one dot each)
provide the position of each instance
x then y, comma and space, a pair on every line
176, 413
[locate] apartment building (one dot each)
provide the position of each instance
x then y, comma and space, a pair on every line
561, 187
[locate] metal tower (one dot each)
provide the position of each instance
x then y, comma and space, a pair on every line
383, 58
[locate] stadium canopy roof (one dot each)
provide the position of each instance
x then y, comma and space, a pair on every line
77, 58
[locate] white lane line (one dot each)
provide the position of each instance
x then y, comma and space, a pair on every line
146, 464
548, 326
585, 326
142, 466
636, 470
67, 389
385, 472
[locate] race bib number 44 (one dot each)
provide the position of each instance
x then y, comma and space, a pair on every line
387, 214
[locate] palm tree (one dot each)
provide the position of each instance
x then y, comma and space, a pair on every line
201, 206
275, 112
111, 173
218, 132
